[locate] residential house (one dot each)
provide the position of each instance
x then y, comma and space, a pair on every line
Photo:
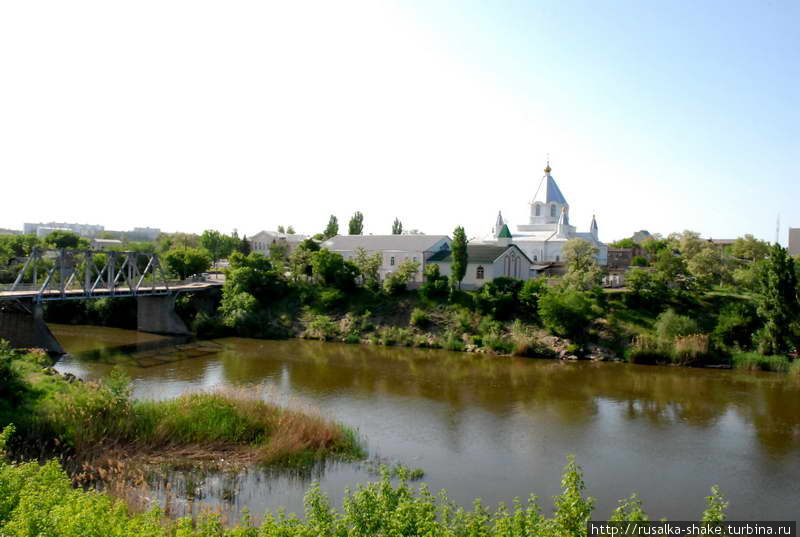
261, 241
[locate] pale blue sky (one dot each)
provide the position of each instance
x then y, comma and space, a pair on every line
657, 115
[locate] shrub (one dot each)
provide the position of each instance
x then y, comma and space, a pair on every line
529, 295
397, 282
11, 385
670, 325
753, 361
392, 335
794, 368
498, 297
452, 342
568, 312
331, 298
208, 326
736, 324
497, 342
321, 327
639, 261
419, 318
436, 286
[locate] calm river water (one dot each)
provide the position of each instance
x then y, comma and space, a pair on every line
492, 427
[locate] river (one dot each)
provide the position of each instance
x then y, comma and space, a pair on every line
490, 427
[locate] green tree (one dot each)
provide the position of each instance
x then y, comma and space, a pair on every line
356, 225
750, 248
330, 268
499, 297
435, 285
397, 282
459, 264
65, 239
709, 265
369, 267
532, 290
778, 305
397, 227
568, 312
214, 244
244, 247
290, 230
279, 253
185, 262
624, 243
645, 289
332, 229
583, 272
281, 229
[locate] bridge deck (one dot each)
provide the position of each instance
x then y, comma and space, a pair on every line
120, 291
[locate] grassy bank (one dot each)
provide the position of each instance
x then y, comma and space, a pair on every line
87, 420
39, 500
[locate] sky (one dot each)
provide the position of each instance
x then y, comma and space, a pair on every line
190, 115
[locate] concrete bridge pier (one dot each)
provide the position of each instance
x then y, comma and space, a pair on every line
156, 314
24, 327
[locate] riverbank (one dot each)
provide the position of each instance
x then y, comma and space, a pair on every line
85, 422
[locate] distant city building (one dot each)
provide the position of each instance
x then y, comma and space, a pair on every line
394, 249
261, 241
84, 230
143, 234
794, 241
44, 231
4, 231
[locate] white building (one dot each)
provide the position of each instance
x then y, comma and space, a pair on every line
261, 241
794, 241
485, 262
84, 230
394, 249
548, 227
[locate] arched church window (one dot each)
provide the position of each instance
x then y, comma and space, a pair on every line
479, 273
553, 211
538, 210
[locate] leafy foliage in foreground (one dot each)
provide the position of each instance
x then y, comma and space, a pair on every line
39, 500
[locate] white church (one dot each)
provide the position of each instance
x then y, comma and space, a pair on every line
548, 227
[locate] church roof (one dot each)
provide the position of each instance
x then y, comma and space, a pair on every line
371, 243
504, 233
477, 253
548, 191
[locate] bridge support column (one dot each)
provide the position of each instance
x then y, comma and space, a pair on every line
27, 329
156, 314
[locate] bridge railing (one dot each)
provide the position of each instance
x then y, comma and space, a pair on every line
53, 274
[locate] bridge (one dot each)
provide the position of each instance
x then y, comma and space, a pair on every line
48, 275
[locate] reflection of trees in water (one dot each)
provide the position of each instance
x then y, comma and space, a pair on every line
501, 385
551, 390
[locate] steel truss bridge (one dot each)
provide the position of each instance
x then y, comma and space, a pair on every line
85, 274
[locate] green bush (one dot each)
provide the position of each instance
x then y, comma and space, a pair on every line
392, 335
735, 326
670, 325
451, 341
794, 368
330, 299
568, 312
529, 295
11, 385
436, 286
320, 327
208, 326
497, 342
419, 318
499, 297
753, 361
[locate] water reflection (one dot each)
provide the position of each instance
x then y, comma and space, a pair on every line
501, 427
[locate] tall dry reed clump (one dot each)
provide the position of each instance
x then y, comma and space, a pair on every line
691, 349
